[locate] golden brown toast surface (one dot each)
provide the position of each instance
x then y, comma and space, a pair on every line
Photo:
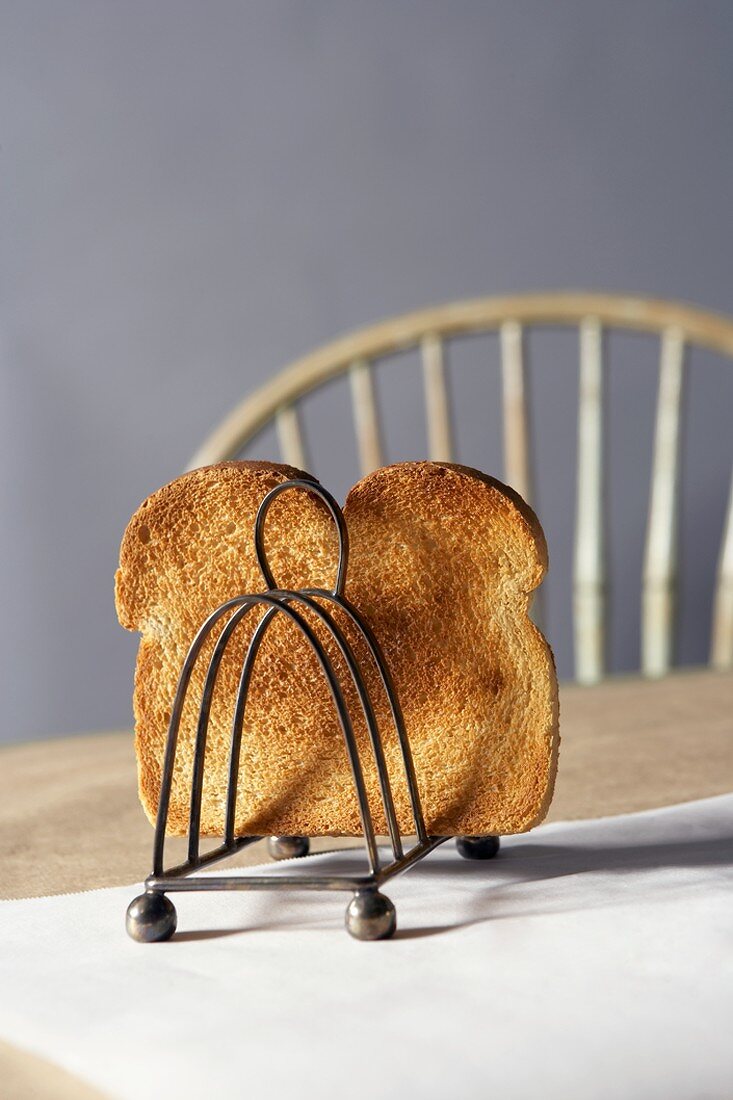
442, 562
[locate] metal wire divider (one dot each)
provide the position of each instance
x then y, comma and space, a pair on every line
370, 914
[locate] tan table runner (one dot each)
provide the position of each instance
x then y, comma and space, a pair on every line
70, 819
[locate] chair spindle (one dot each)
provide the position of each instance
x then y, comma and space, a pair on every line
366, 416
517, 451
660, 557
721, 654
290, 437
589, 579
440, 442
517, 468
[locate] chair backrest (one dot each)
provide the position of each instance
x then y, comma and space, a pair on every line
677, 325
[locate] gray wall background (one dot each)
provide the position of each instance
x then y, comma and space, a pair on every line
195, 193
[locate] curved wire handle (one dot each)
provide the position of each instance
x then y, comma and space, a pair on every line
338, 519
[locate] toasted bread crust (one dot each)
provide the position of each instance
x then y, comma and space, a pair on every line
443, 560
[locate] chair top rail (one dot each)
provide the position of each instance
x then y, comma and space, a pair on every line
564, 308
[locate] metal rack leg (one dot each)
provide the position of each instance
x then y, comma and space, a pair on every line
477, 847
370, 916
151, 917
288, 847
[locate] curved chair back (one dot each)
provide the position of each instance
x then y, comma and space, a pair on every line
677, 326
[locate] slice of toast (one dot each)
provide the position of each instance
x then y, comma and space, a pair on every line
442, 563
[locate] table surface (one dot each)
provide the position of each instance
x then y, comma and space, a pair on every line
70, 819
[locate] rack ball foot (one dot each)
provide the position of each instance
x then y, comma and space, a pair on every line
370, 916
288, 847
477, 847
151, 918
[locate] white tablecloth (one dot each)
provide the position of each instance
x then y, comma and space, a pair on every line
590, 960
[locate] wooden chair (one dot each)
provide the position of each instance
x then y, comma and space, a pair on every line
677, 326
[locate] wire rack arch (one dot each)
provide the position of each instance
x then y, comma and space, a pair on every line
370, 915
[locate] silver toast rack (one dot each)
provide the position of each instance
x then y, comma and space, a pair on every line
370, 915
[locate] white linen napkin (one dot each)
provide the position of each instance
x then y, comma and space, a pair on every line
589, 960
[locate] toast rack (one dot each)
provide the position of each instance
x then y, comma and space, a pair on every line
370, 915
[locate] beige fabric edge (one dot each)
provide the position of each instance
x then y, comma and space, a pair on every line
70, 819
